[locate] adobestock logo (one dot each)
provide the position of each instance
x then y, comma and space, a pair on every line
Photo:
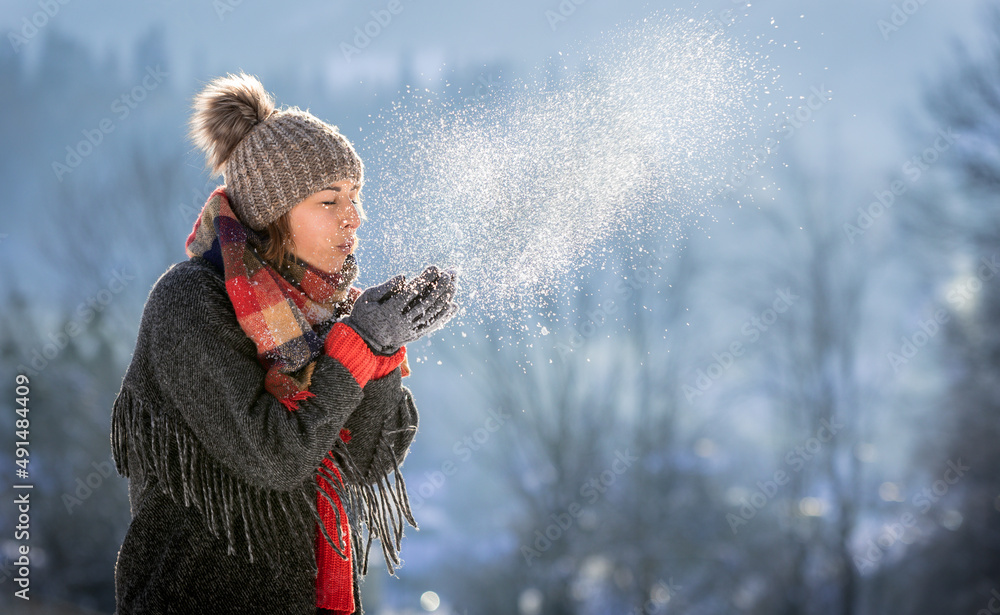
659, 596
371, 29
900, 15
562, 13
462, 449
86, 486
753, 328
85, 312
38, 20
795, 459
815, 100
601, 315
224, 7
563, 520
959, 295
895, 532
913, 169
122, 107
993, 606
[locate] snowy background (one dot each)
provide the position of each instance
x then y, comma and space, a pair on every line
730, 341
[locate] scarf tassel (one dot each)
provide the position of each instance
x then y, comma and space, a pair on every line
259, 520
290, 402
250, 519
376, 504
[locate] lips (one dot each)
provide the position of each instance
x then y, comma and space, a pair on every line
347, 246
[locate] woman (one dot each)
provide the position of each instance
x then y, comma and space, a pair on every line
262, 413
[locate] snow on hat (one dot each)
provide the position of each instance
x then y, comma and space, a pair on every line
271, 158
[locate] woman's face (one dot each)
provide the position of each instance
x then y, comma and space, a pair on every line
323, 226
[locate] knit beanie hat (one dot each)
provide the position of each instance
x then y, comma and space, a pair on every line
271, 158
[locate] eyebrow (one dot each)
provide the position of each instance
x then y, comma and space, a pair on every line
337, 188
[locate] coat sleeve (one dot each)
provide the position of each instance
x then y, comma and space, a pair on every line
206, 368
382, 427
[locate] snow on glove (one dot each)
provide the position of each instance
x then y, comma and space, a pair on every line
434, 305
436, 312
399, 312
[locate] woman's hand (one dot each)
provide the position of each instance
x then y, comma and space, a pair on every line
398, 312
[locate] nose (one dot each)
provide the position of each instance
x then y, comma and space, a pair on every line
353, 218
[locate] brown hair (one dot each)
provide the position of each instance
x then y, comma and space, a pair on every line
279, 240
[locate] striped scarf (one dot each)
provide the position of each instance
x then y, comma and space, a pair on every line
278, 312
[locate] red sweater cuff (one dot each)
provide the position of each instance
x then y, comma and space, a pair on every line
344, 344
385, 365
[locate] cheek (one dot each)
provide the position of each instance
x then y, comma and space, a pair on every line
323, 229
317, 230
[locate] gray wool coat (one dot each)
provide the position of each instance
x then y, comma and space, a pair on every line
222, 477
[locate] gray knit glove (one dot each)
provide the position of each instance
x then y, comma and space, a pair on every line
398, 312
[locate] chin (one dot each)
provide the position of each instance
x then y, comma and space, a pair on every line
337, 265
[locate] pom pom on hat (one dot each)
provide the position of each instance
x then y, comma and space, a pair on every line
224, 113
